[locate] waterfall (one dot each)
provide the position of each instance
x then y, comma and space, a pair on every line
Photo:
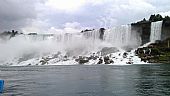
23, 48
118, 36
94, 35
156, 28
46, 37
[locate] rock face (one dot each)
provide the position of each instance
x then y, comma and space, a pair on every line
86, 59
158, 52
32, 34
9, 34
165, 30
144, 29
101, 31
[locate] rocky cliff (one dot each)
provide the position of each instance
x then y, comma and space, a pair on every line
158, 52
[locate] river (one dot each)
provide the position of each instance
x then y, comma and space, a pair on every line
81, 80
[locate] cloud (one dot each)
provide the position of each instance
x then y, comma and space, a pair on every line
15, 14
72, 5
65, 5
69, 27
36, 26
165, 13
63, 15
72, 25
126, 11
41, 27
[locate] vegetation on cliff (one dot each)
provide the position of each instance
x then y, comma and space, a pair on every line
9, 34
158, 52
153, 18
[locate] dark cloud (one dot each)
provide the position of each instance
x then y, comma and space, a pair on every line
28, 14
15, 14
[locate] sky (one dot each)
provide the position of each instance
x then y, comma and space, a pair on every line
57, 16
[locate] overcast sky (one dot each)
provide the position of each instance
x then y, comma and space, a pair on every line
54, 16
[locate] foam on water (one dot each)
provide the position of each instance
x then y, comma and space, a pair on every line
61, 60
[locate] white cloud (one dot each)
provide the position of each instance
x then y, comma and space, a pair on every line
165, 13
65, 5
64, 15
37, 26
125, 12
54, 30
72, 25
72, 5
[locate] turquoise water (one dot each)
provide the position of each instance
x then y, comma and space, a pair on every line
98, 80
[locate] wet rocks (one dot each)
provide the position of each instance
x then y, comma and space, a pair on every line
107, 60
125, 55
82, 60
158, 52
65, 58
93, 57
100, 60
44, 61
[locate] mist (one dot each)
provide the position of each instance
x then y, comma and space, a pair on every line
28, 46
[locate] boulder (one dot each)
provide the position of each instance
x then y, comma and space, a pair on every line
82, 60
125, 55
44, 61
107, 60
100, 60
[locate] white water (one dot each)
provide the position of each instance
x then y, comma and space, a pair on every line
156, 29
122, 36
94, 35
32, 49
118, 36
22, 49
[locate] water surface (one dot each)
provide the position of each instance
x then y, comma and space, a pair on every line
98, 80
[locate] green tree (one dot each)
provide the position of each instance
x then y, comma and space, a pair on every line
158, 17
166, 18
152, 18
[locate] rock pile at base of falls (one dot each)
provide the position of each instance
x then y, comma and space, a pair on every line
158, 52
107, 55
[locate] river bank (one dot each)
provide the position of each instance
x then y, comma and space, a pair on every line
158, 52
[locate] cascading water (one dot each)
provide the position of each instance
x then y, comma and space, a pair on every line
122, 36
156, 28
118, 36
40, 37
94, 35
56, 48
23, 48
